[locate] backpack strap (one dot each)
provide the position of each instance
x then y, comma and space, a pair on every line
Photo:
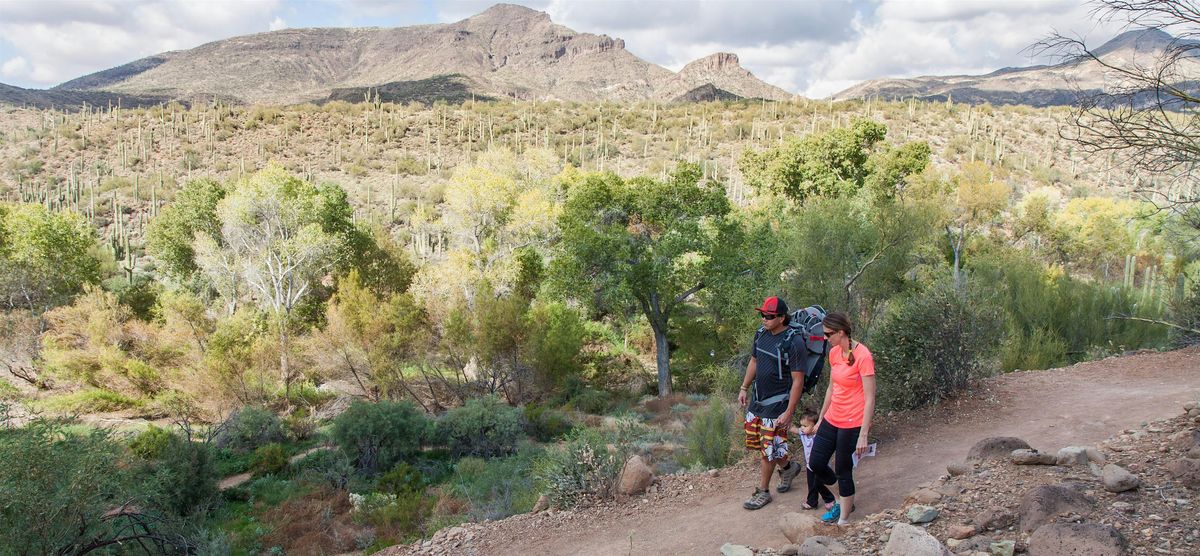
816, 370
785, 351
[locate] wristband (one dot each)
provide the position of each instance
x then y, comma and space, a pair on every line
744, 388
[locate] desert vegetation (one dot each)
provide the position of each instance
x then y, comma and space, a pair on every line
463, 307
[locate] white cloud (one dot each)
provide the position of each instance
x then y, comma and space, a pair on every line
62, 40
277, 24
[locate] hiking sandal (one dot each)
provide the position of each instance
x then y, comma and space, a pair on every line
842, 518
759, 499
786, 474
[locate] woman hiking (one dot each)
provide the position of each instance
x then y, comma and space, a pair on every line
845, 417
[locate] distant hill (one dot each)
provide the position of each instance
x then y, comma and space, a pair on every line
1044, 85
37, 98
505, 52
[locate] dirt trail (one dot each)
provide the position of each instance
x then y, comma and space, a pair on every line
239, 479
1082, 404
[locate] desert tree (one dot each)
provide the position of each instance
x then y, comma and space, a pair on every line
45, 257
643, 244
273, 246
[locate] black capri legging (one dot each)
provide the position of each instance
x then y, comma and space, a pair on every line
831, 440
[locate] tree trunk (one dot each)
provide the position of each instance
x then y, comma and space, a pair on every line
663, 358
284, 364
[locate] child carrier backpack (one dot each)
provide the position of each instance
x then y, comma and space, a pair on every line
804, 325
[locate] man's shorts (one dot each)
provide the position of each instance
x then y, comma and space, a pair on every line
767, 436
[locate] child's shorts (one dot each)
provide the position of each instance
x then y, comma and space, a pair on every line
768, 436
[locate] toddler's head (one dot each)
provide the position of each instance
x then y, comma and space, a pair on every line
808, 421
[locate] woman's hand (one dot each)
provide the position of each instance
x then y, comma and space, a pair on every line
862, 446
742, 397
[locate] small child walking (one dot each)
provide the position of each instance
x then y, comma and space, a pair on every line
807, 432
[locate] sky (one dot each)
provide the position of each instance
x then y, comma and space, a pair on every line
811, 47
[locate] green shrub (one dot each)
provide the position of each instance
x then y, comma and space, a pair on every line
329, 467
556, 337
8, 392
150, 443
379, 435
590, 400
930, 344
249, 428
582, 466
402, 479
708, 435
95, 400
485, 427
61, 494
268, 460
186, 476
499, 487
401, 519
546, 424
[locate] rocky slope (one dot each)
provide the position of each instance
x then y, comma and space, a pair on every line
505, 52
1051, 85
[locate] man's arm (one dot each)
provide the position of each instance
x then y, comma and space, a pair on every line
751, 370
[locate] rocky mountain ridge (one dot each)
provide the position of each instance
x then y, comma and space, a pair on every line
507, 51
1042, 85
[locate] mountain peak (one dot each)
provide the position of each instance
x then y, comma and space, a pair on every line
508, 13
1137, 40
715, 62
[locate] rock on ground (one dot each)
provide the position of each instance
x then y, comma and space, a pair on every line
925, 496
820, 545
636, 476
797, 526
1186, 471
995, 447
907, 540
735, 550
993, 518
1030, 456
959, 468
921, 514
1077, 539
1117, 479
1072, 455
1044, 502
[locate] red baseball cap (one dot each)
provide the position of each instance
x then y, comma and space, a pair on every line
774, 306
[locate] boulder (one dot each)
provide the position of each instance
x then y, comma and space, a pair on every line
959, 468
636, 476
1191, 405
961, 531
735, 550
1117, 479
1186, 471
1072, 455
996, 447
1029, 456
542, 504
921, 514
925, 496
993, 518
1042, 503
907, 540
1185, 440
1002, 548
821, 545
789, 549
797, 526
1077, 539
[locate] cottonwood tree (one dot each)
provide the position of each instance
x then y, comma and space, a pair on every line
642, 244
45, 257
273, 247
979, 196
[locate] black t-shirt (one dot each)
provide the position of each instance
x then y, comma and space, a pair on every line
770, 379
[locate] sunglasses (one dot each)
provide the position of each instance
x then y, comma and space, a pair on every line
830, 333
770, 316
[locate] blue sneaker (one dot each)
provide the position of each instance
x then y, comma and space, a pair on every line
833, 513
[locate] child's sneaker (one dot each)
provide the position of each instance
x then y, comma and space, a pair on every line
832, 515
759, 499
786, 474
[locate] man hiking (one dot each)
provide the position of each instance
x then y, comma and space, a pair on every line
776, 392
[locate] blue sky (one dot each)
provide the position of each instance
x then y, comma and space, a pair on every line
813, 47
